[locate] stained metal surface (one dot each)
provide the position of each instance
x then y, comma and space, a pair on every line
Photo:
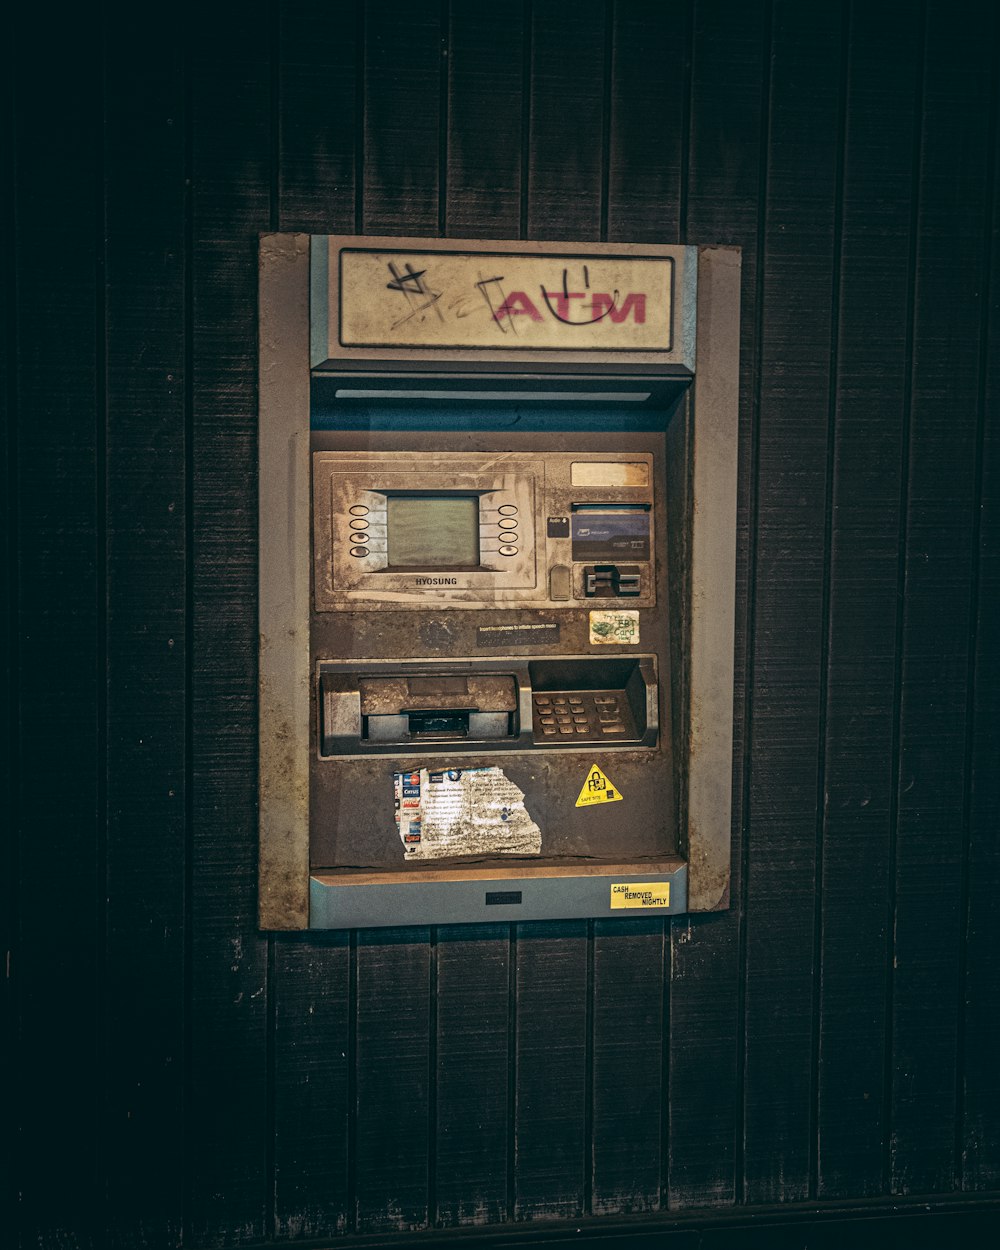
712, 618
550, 645
491, 894
284, 684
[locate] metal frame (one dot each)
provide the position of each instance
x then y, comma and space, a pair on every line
712, 587
284, 530
708, 330
327, 352
490, 894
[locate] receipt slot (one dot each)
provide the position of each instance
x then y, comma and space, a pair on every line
497, 559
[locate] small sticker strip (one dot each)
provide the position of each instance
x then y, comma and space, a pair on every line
462, 811
617, 627
517, 635
598, 789
645, 895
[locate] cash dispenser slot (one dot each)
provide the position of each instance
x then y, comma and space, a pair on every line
398, 709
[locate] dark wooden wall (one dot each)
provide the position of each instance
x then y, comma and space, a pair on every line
834, 1036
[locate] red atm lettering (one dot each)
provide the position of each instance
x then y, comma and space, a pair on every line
605, 304
517, 304
562, 299
602, 306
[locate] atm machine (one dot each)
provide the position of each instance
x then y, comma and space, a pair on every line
497, 560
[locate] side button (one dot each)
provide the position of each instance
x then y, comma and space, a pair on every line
559, 582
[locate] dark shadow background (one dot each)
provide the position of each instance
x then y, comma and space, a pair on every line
831, 1042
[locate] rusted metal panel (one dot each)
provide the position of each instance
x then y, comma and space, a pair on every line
284, 582
713, 579
520, 892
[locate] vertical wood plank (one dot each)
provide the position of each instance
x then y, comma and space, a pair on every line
9, 643
145, 204
486, 109
401, 181
630, 1103
393, 1086
402, 115
318, 74
937, 606
729, 67
551, 1081
980, 1087
312, 1084
648, 99
645, 118
789, 604
59, 790
473, 1132
473, 1063
228, 1183
566, 130
319, 66
564, 198
883, 84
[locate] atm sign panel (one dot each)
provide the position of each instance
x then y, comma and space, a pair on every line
501, 301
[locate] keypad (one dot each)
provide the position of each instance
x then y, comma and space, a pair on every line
596, 716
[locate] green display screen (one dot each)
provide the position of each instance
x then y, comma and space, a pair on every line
432, 531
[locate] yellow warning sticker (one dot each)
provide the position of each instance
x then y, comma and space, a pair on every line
641, 894
598, 789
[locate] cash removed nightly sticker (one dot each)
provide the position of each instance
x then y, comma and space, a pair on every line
598, 789
645, 894
618, 627
462, 811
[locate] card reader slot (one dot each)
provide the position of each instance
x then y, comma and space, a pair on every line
612, 581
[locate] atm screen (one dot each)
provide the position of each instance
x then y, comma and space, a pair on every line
432, 531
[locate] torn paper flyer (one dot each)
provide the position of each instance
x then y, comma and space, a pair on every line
463, 811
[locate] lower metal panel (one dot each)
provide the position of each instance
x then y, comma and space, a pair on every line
339, 902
